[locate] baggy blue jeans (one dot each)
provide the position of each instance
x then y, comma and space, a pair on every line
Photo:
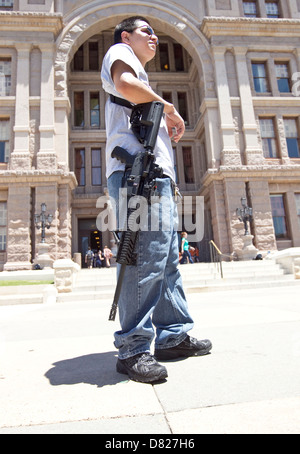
152, 303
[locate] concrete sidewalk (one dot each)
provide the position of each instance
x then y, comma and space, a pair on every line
57, 370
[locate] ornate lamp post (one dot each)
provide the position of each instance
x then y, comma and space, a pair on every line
43, 221
245, 215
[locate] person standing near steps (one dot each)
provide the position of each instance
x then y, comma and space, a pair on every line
152, 303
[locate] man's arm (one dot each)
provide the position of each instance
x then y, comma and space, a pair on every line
135, 91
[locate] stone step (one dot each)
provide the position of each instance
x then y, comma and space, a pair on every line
99, 285
31, 298
22, 290
189, 272
95, 284
189, 290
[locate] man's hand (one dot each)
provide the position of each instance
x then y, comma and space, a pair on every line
175, 121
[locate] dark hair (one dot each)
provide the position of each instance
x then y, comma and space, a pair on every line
127, 25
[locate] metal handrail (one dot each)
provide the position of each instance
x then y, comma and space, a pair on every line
216, 256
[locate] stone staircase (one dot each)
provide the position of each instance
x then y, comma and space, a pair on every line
95, 284
24, 294
99, 284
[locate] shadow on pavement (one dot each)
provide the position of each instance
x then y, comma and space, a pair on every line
94, 369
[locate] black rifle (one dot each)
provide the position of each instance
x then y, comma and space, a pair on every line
139, 180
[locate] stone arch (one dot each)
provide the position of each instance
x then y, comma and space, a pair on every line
83, 23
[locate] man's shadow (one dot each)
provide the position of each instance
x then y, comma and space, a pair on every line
94, 369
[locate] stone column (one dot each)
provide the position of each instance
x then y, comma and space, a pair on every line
218, 214
230, 153
20, 158
19, 211
213, 141
295, 13
253, 151
59, 6
262, 8
293, 217
46, 158
234, 190
64, 222
262, 216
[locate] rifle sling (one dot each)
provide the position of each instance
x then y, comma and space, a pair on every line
121, 102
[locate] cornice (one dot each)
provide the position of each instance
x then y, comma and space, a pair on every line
248, 26
29, 21
273, 173
38, 176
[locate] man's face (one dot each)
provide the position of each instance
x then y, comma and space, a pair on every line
143, 41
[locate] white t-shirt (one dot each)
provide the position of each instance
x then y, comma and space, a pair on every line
117, 118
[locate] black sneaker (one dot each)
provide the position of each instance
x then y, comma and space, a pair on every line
189, 347
142, 368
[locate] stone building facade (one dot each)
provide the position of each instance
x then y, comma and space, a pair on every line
231, 67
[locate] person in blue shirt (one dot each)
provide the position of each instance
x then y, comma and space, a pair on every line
185, 249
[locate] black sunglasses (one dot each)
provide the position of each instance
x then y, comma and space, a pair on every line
149, 30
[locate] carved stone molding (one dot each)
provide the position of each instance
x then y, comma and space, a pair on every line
29, 21
248, 26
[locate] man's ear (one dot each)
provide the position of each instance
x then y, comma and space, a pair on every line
125, 37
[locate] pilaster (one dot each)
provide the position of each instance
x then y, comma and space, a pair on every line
46, 158
293, 217
218, 215
230, 153
234, 190
20, 158
19, 211
263, 227
64, 244
253, 151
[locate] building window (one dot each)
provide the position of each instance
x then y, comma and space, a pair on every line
94, 110
80, 166
4, 140
93, 56
298, 207
86, 114
178, 56
3, 225
79, 109
250, 9
272, 9
279, 216
6, 5
87, 57
164, 57
292, 137
188, 165
96, 167
5, 76
260, 77
283, 77
182, 106
167, 96
268, 136
78, 61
